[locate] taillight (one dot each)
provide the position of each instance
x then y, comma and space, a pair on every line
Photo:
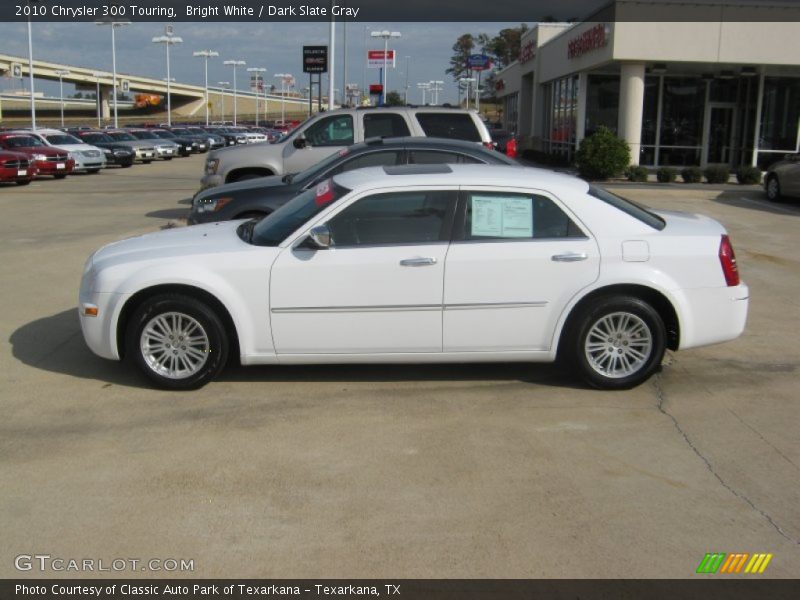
511, 148
727, 259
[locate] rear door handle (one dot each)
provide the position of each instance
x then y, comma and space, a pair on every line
418, 262
570, 257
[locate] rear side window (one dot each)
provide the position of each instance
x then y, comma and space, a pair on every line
629, 207
454, 126
506, 216
435, 157
385, 125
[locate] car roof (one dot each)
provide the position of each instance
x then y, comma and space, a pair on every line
468, 175
432, 142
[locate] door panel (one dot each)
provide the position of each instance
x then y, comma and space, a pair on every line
506, 285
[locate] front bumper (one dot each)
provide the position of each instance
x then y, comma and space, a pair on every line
89, 164
100, 331
714, 315
45, 167
16, 174
145, 154
167, 152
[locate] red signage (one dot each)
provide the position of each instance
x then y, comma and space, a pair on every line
589, 40
375, 88
527, 52
376, 58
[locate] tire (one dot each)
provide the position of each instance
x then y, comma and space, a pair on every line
59, 176
146, 162
773, 189
24, 182
93, 171
126, 165
147, 343
625, 358
167, 158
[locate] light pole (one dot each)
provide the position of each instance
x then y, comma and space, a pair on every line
234, 64
30, 67
223, 85
168, 39
259, 77
206, 54
114, 26
467, 82
436, 87
284, 77
424, 87
61, 73
386, 35
405, 96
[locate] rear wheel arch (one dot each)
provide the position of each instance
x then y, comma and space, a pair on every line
129, 308
660, 303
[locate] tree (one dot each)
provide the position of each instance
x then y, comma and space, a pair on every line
462, 49
505, 46
394, 98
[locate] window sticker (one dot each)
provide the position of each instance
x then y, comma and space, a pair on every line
324, 192
496, 216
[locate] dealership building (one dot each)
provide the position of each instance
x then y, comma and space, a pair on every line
694, 91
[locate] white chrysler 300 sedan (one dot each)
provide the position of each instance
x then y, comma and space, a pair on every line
422, 263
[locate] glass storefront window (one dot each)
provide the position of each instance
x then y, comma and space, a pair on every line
602, 102
650, 112
561, 115
780, 114
683, 111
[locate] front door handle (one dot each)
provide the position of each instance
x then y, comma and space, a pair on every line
418, 262
570, 257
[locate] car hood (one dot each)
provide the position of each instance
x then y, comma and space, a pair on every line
187, 242
234, 152
77, 147
261, 183
136, 143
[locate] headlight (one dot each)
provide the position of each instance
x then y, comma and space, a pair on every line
107, 152
212, 165
39, 157
211, 204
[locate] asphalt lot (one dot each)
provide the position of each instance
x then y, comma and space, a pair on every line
388, 471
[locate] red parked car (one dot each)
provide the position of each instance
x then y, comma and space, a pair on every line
15, 167
48, 160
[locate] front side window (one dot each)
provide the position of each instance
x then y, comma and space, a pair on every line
331, 131
455, 126
508, 216
385, 125
395, 218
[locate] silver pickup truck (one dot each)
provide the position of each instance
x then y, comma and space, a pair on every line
328, 132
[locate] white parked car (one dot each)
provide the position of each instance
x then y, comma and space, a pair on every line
88, 158
420, 263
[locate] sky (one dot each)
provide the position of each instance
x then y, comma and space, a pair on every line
274, 46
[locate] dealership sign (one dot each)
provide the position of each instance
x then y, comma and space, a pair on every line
591, 39
315, 59
527, 52
479, 62
377, 58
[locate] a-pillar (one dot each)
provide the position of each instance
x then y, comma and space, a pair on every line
631, 107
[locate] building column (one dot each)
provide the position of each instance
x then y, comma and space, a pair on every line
580, 115
105, 105
631, 107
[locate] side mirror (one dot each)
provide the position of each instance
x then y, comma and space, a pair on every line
320, 236
300, 142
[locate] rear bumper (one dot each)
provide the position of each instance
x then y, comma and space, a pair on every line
714, 315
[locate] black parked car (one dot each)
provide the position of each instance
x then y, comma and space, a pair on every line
199, 141
116, 153
231, 137
256, 198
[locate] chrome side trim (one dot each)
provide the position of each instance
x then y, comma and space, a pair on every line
403, 307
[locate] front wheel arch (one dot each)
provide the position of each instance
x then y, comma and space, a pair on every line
187, 290
248, 173
653, 297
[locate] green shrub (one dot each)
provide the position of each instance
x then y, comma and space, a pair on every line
717, 174
748, 175
602, 155
692, 175
666, 175
634, 173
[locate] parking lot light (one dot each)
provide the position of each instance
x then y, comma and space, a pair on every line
114, 26
61, 73
234, 64
223, 86
284, 77
168, 39
206, 54
257, 71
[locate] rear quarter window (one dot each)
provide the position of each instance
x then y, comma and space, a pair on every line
637, 211
455, 126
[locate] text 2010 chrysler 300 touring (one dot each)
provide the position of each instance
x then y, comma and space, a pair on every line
426, 263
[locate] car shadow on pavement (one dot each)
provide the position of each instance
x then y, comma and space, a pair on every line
756, 200
169, 213
55, 344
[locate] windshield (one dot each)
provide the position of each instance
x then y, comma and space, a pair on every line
629, 207
22, 141
95, 138
122, 136
145, 135
167, 135
179, 132
197, 131
58, 139
274, 228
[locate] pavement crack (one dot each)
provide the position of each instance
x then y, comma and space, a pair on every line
765, 440
660, 400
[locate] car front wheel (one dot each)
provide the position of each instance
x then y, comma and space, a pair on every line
618, 343
773, 189
177, 341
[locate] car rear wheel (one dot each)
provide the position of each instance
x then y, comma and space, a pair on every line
177, 341
618, 343
24, 182
773, 189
